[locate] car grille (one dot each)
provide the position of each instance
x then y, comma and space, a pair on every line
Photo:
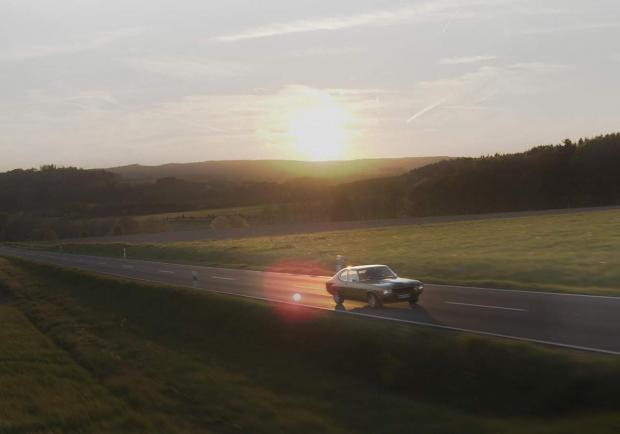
405, 290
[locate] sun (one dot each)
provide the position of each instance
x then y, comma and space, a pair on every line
318, 127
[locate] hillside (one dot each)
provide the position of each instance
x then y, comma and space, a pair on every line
569, 175
274, 170
89, 354
585, 173
49, 202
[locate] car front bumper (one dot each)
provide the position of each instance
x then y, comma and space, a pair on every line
395, 297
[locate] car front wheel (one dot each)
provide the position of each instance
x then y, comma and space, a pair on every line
373, 301
338, 298
413, 302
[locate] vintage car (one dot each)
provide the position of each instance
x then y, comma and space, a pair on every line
376, 284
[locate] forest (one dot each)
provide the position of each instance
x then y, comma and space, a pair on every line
48, 202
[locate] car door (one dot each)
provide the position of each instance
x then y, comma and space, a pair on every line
353, 290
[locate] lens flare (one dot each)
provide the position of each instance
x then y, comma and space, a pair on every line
276, 287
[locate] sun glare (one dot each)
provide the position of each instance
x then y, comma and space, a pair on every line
318, 127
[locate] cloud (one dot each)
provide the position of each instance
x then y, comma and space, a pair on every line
49, 50
438, 10
539, 67
573, 28
465, 60
189, 68
474, 89
324, 51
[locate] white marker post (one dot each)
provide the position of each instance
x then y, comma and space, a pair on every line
338, 262
194, 276
124, 252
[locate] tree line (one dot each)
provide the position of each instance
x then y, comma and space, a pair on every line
68, 202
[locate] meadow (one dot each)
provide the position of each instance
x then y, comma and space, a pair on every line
577, 252
83, 353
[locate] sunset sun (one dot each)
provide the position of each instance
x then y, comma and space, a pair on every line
318, 127
319, 133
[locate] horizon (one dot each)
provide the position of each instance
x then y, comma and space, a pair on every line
525, 149
61, 166
93, 84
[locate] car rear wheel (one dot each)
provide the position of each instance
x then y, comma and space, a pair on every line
373, 301
338, 298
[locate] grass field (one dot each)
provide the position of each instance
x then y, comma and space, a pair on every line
203, 213
89, 354
572, 252
257, 215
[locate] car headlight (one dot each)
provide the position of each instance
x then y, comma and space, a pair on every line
421, 287
387, 291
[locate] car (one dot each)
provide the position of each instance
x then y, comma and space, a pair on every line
376, 284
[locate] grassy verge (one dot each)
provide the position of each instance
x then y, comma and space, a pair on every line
176, 360
571, 252
42, 390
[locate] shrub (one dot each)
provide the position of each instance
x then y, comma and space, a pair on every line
237, 221
221, 222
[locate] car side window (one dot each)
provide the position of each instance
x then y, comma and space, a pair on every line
343, 276
353, 277
363, 274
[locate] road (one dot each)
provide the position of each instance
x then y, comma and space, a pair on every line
581, 322
315, 227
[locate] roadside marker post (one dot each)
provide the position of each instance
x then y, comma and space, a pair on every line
124, 252
194, 276
338, 262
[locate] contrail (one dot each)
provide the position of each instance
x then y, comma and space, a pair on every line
426, 110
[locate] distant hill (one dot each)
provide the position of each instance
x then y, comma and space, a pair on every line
585, 173
573, 174
55, 202
274, 170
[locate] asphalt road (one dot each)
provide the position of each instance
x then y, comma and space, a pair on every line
581, 322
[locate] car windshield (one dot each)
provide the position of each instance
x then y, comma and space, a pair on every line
376, 273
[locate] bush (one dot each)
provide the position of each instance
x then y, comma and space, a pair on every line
236, 221
220, 222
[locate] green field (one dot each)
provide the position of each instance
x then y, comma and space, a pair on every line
258, 215
249, 211
82, 353
571, 252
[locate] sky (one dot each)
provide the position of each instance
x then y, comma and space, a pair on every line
102, 83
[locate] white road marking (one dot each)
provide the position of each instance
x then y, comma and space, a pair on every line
166, 271
486, 306
526, 291
223, 278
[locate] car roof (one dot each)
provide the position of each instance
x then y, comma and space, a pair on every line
362, 267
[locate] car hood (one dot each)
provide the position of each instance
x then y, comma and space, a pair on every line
399, 282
